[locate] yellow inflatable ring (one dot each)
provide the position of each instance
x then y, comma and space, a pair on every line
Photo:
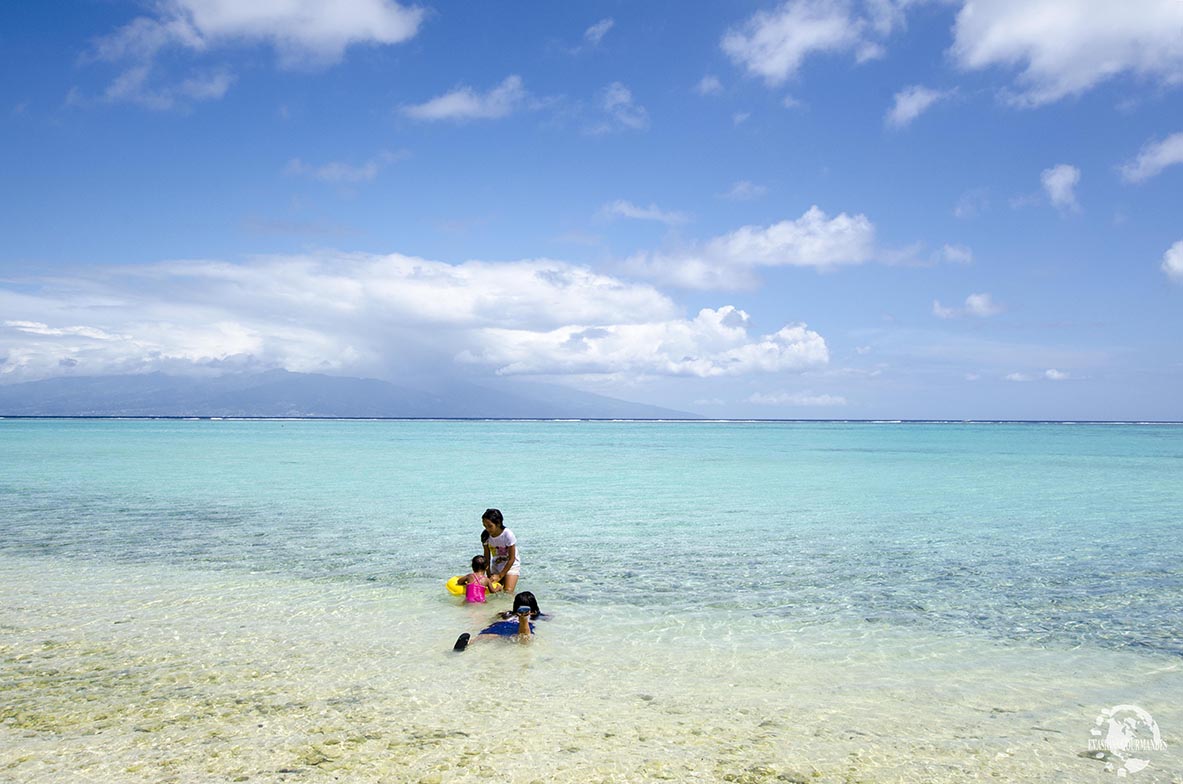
454, 587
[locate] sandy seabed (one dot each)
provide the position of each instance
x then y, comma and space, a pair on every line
149, 674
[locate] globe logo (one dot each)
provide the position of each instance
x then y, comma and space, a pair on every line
1123, 736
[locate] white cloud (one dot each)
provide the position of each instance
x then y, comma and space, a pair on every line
745, 190
726, 262
342, 173
981, 305
1065, 47
621, 111
1059, 182
714, 343
1172, 262
363, 314
302, 32
796, 399
709, 85
137, 85
594, 34
911, 102
772, 45
1050, 374
1153, 158
464, 103
626, 209
972, 203
976, 305
38, 328
956, 254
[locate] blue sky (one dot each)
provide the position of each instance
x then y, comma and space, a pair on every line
813, 208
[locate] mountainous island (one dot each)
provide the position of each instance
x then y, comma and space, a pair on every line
279, 393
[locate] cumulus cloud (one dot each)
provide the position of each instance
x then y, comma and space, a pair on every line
626, 209
727, 261
709, 85
796, 399
1065, 47
714, 343
595, 34
972, 203
911, 102
773, 44
340, 173
744, 190
1172, 262
620, 111
301, 32
1153, 158
465, 103
361, 314
138, 85
1059, 183
1050, 374
956, 254
976, 306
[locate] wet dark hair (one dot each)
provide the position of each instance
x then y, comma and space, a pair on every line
479, 564
484, 536
494, 516
526, 599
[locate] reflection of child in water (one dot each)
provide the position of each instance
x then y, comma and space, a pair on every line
525, 609
476, 582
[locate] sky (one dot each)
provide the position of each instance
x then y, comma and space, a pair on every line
861, 209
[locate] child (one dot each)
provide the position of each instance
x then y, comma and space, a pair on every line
525, 609
502, 550
476, 582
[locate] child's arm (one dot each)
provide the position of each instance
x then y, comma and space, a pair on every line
524, 622
511, 555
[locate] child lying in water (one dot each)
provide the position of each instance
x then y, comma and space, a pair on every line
525, 609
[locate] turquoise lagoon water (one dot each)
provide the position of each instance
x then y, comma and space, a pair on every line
263, 600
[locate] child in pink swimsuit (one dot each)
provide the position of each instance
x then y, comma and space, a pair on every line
476, 582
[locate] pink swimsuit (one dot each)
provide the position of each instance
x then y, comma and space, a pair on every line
474, 591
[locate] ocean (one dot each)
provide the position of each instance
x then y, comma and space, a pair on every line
263, 601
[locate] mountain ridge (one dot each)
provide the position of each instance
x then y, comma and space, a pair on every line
280, 393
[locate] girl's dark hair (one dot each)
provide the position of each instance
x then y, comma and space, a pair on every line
494, 516
479, 564
484, 536
526, 599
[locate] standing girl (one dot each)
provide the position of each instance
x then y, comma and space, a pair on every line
501, 550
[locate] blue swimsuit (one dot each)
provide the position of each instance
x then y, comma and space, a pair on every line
504, 629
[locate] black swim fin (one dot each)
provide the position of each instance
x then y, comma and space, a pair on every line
461, 642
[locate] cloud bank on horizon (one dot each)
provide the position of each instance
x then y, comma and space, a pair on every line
770, 218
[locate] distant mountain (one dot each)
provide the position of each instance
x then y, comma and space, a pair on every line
278, 393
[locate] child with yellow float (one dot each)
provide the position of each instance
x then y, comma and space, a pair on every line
502, 562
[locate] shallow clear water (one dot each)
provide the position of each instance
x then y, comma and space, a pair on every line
730, 601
